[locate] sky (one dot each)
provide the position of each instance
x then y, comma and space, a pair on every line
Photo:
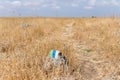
60, 8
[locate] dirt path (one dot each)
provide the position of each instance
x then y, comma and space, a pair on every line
80, 49
91, 64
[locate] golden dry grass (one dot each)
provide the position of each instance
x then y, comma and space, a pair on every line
92, 46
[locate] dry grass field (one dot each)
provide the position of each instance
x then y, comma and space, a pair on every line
92, 46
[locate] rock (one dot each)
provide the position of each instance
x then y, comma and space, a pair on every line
55, 59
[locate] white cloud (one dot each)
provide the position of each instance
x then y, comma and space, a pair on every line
55, 6
108, 3
95, 3
7, 5
114, 2
103, 2
16, 3
44, 5
1, 7
88, 7
92, 2
32, 4
74, 5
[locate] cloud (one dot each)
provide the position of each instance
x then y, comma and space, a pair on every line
1, 7
74, 5
31, 4
16, 3
59, 3
44, 5
108, 2
55, 6
7, 5
99, 3
52, 5
88, 7
114, 2
91, 2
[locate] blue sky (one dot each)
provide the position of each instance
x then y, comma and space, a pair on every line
60, 8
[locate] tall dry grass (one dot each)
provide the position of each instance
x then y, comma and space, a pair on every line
26, 42
24, 45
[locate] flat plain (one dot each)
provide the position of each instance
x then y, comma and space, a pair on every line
92, 46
